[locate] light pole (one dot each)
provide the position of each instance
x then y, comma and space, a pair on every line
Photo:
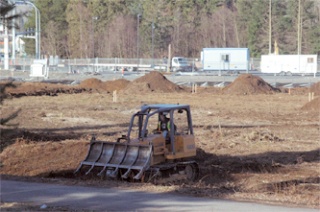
38, 27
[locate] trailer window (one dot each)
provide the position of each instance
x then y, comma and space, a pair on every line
225, 57
310, 60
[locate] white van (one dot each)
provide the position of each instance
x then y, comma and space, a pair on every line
180, 64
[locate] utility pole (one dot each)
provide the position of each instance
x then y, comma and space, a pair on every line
6, 46
93, 41
138, 20
169, 58
152, 43
270, 26
299, 28
13, 53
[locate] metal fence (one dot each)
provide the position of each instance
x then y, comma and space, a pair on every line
91, 64
110, 64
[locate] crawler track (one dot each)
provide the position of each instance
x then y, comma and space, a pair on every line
175, 172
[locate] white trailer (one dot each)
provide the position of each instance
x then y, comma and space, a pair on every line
289, 64
225, 59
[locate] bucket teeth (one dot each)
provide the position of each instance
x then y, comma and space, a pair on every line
114, 157
89, 170
139, 175
101, 172
125, 175
113, 174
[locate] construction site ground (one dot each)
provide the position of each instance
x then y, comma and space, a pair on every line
254, 142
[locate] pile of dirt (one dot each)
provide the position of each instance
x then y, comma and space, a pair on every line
109, 86
249, 84
19, 89
153, 82
315, 88
92, 83
68, 150
119, 84
313, 105
40, 89
29, 87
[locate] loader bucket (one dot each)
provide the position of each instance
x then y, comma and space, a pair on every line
112, 157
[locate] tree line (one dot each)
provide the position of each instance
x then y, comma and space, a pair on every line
145, 28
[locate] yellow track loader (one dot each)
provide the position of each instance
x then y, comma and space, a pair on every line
147, 151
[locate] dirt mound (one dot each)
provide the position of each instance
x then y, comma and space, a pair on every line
249, 84
28, 87
153, 82
315, 88
119, 84
313, 105
67, 149
19, 89
41, 89
109, 86
93, 83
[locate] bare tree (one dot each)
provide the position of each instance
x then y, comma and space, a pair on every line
79, 38
119, 38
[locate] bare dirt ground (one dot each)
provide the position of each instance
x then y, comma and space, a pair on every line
254, 142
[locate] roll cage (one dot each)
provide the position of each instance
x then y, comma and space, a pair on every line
147, 111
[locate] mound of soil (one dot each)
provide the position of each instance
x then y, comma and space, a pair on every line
313, 105
109, 86
119, 84
153, 82
315, 88
40, 89
92, 83
249, 84
28, 87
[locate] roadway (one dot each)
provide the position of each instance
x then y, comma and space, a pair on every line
212, 79
181, 78
113, 199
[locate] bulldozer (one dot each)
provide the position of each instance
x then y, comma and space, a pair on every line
146, 152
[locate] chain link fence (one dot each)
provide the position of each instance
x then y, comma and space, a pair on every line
110, 64
89, 64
